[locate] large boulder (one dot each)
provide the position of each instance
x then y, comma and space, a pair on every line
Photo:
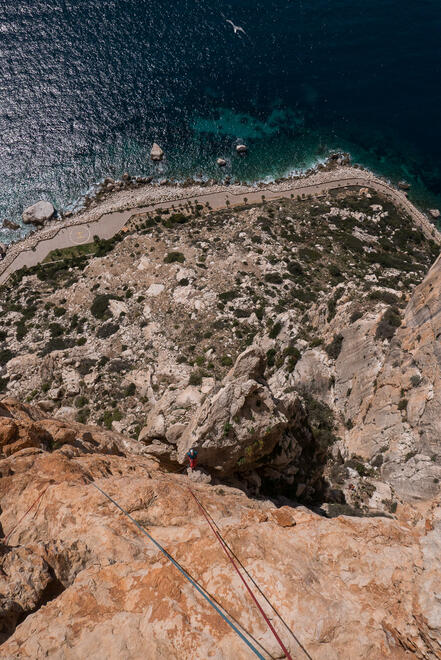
8, 224
156, 153
38, 213
233, 425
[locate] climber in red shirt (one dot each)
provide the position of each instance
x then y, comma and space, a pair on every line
192, 457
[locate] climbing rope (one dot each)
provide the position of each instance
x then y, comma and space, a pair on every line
230, 558
184, 573
5, 540
256, 585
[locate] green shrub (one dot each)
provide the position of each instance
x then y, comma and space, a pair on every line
321, 420
107, 330
295, 268
195, 378
86, 365
83, 415
21, 330
271, 357
334, 348
178, 218
110, 416
335, 272
402, 404
81, 341
356, 315
100, 306
226, 361
352, 243
242, 313
415, 380
56, 329
227, 296
57, 344
401, 262
389, 323
81, 401
227, 428
273, 278
275, 330
332, 309
5, 356
293, 354
130, 390
174, 257
309, 254
384, 296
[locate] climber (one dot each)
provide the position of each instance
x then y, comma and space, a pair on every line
192, 457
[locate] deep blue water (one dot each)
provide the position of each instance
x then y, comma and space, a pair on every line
87, 85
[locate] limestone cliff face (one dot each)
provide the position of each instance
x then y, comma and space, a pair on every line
78, 580
399, 420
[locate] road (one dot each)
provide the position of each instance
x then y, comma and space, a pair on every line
35, 249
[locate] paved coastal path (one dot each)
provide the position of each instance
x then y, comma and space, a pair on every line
81, 229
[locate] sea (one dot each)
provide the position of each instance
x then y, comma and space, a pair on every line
86, 86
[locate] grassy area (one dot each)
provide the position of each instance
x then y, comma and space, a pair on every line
70, 252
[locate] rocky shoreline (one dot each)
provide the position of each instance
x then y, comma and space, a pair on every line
140, 193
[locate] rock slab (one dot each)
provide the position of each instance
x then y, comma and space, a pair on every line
38, 213
156, 153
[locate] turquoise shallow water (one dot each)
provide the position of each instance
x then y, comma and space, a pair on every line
85, 87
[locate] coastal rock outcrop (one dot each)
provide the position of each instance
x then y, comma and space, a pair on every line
8, 224
83, 570
241, 149
156, 154
221, 162
38, 213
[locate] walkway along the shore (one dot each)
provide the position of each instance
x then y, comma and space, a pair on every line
34, 249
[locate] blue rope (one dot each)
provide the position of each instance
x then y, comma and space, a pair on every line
175, 563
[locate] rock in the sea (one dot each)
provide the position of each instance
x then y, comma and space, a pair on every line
3, 249
38, 213
241, 148
435, 213
8, 224
403, 185
221, 162
156, 153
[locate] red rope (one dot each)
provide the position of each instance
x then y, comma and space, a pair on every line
5, 540
281, 644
